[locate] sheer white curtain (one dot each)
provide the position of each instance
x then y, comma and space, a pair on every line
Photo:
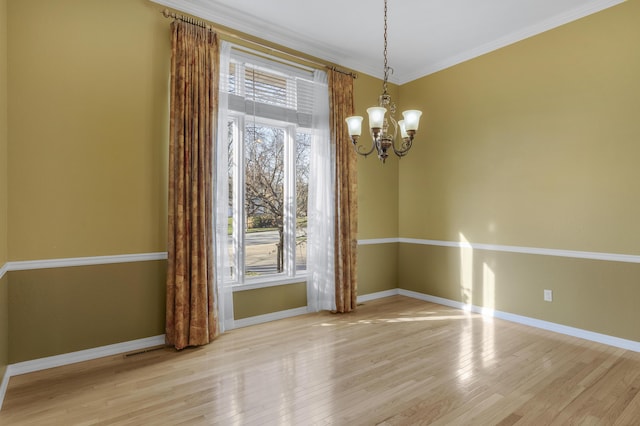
321, 207
221, 193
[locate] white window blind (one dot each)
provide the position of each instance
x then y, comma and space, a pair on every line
268, 89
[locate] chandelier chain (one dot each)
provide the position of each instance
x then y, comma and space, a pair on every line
386, 66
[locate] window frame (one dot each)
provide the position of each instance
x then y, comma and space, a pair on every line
294, 114
290, 274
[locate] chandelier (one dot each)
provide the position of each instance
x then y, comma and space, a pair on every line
383, 136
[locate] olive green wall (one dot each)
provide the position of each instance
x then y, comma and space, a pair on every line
62, 310
4, 256
377, 200
377, 268
260, 301
377, 182
88, 142
533, 145
88, 108
593, 295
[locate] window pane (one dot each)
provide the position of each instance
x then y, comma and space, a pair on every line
264, 199
231, 223
303, 150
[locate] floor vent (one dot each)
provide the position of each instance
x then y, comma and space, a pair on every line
144, 351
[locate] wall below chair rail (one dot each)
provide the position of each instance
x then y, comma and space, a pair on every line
589, 294
71, 305
376, 273
377, 266
266, 300
61, 310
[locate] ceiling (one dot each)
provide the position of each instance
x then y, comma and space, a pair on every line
424, 36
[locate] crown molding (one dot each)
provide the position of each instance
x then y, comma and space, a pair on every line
231, 18
524, 33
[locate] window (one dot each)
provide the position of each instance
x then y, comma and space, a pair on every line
266, 133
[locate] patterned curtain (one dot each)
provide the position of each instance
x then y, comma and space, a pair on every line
191, 317
346, 242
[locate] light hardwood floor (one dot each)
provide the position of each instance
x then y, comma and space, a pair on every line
396, 361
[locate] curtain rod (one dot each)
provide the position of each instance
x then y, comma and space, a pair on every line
202, 24
341, 71
188, 19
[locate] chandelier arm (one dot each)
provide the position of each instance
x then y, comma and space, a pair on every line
358, 148
405, 147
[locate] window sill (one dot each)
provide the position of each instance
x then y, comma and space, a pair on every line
268, 282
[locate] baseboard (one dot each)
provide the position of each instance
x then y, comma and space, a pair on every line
379, 295
85, 355
531, 322
75, 357
3, 385
274, 316
3, 270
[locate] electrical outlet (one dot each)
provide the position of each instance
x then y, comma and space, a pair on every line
548, 295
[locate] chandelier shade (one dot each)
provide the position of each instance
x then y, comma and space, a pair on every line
411, 119
354, 124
